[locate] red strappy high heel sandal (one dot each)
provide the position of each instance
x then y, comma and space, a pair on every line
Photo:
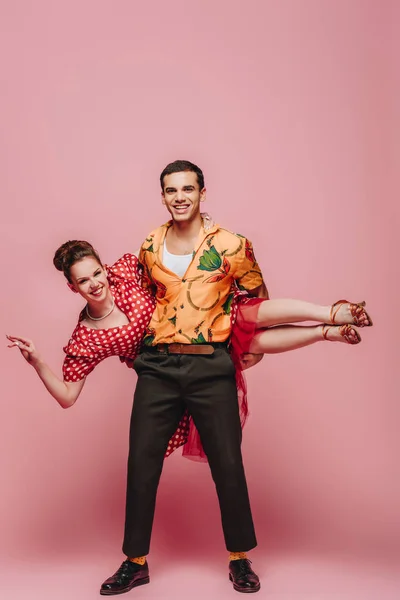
344, 331
356, 311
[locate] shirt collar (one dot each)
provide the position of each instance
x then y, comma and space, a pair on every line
161, 232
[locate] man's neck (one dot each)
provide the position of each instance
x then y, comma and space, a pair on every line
182, 237
187, 230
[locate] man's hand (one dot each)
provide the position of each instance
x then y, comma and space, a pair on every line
128, 361
260, 292
249, 360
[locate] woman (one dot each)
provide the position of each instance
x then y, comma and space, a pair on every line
118, 311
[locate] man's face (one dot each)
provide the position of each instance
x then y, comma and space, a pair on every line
182, 196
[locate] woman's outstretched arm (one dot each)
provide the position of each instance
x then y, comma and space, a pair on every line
65, 392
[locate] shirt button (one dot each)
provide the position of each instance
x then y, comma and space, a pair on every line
183, 280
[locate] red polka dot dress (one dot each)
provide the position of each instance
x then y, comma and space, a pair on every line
88, 347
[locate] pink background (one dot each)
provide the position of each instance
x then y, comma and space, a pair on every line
291, 109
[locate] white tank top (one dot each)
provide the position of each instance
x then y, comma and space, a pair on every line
177, 263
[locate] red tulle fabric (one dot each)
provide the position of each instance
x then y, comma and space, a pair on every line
244, 313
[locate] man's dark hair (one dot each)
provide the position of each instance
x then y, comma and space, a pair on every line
182, 165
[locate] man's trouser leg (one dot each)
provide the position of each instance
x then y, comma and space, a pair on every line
156, 412
209, 388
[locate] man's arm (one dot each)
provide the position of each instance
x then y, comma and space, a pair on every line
249, 360
147, 282
147, 285
249, 275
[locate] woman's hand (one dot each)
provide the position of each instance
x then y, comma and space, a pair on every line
208, 221
65, 392
26, 347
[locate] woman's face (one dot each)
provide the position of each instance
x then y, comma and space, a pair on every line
89, 279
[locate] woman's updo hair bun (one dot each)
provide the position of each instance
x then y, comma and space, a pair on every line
70, 253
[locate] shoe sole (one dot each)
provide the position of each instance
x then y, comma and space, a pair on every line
244, 590
127, 589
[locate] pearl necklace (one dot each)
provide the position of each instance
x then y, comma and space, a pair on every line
104, 316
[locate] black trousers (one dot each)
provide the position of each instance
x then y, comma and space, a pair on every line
166, 385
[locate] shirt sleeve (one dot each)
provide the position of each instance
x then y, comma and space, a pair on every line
248, 274
147, 282
78, 362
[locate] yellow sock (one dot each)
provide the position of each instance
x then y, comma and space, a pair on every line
139, 560
237, 555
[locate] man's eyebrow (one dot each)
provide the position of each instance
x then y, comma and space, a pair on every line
188, 187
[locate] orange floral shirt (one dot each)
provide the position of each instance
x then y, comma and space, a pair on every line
196, 308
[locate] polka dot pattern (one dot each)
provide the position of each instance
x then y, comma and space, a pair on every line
88, 347
180, 437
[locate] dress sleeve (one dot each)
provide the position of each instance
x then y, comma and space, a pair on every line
126, 267
78, 362
248, 274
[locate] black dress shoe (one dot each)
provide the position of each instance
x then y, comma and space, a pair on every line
128, 576
243, 577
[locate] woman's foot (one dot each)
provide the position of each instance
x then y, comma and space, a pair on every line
341, 333
344, 312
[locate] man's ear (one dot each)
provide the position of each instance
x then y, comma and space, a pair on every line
162, 198
203, 195
71, 287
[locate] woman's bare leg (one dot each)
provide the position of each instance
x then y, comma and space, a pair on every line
290, 337
287, 310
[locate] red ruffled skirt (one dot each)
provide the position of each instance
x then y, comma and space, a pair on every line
244, 318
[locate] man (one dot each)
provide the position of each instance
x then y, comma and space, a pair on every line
185, 364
